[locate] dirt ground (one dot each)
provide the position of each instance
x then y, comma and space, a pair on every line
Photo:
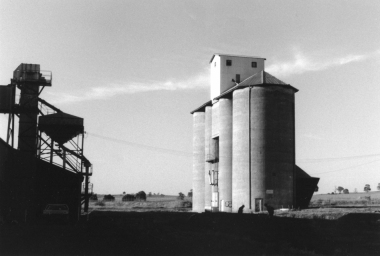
186, 233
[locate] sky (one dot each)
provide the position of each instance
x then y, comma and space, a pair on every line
135, 69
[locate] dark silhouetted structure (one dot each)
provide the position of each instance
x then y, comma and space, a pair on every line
241, 208
270, 210
48, 166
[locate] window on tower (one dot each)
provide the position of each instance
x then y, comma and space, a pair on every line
228, 62
254, 64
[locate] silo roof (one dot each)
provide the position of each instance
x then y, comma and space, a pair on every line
202, 108
262, 78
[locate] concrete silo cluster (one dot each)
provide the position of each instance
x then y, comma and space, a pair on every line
244, 141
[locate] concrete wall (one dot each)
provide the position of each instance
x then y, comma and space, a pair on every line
208, 151
266, 174
198, 161
272, 145
225, 155
240, 149
215, 120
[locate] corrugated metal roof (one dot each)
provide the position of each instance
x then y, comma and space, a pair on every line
202, 108
262, 78
269, 79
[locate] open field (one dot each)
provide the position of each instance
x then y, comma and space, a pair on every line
351, 196
354, 199
166, 203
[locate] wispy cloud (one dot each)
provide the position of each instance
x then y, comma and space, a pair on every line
302, 63
98, 93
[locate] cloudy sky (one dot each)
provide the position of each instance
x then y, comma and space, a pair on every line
135, 69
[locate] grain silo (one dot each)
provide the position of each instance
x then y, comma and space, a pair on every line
249, 139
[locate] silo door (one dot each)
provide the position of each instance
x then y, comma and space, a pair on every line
258, 204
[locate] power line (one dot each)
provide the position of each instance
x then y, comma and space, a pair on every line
335, 158
350, 167
188, 154
152, 148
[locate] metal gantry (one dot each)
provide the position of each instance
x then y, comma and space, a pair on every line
60, 145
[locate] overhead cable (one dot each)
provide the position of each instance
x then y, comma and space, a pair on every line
350, 167
152, 148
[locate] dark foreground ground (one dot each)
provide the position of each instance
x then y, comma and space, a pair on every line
170, 233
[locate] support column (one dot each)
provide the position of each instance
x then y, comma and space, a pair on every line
225, 155
198, 161
240, 150
208, 134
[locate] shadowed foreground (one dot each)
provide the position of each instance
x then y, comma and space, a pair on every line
166, 233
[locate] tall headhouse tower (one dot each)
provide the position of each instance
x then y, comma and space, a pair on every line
244, 141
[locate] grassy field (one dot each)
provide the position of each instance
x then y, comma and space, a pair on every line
154, 203
353, 199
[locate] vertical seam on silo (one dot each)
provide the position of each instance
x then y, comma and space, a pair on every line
294, 153
249, 147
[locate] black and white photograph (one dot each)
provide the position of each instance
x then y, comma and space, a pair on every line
189, 127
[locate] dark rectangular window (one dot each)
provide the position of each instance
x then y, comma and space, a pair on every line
216, 149
254, 64
237, 78
228, 62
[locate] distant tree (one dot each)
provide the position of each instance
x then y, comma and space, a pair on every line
128, 197
378, 186
190, 194
94, 197
162, 195
124, 193
367, 188
345, 191
181, 196
141, 196
332, 193
108, 198
340, 189
149, 194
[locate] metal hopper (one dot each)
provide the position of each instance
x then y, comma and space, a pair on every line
61, 127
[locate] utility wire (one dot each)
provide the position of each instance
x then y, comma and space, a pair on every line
187, 154
152, 148
311, 160
350, 167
